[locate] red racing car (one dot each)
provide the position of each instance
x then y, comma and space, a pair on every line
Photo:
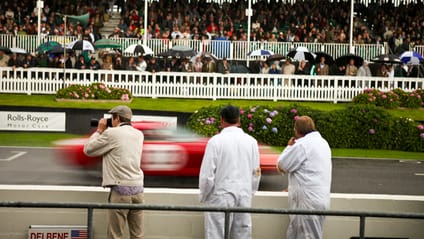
166, 151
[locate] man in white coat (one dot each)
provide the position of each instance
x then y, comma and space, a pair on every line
229, 176
307, 160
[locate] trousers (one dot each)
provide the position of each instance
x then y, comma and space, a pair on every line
118, 218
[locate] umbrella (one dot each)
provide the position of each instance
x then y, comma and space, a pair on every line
179, 51
276, 57
387, 59
46, 46
58, 50
107, 43
411, 57
82, 45
301, 54
137, 49
345, 59
18, 50
5, 49
261, 52
328, 58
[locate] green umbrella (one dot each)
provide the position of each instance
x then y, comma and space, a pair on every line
47, 46
107, 43
5, 49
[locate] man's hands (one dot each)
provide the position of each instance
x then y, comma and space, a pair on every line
102, 125
292, 140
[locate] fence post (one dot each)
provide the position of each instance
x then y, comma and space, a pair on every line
227, 225
362, 227
90, 223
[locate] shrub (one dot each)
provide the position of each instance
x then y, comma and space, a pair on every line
98, 91
358, 126
391, 99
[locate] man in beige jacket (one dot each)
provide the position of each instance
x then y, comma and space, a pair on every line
121, 147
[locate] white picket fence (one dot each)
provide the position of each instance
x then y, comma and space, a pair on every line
203, 85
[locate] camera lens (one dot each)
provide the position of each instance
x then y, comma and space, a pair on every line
94, 122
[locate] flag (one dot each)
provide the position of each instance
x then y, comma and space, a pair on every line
78, 234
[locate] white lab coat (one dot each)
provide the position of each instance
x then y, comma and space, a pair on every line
229, 177
308, 163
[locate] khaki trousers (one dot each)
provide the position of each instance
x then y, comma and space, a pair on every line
118, 218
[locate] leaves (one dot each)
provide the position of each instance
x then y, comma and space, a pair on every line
358, 126
98, 91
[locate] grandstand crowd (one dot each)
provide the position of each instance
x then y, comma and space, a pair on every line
305, 21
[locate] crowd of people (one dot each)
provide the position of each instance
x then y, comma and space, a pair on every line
272, 21
325, 21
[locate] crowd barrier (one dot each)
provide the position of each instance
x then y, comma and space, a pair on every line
232, 50
213, 86
176, 213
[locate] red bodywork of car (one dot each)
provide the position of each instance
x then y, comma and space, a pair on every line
165, 152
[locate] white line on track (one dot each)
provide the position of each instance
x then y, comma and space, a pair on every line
15, 155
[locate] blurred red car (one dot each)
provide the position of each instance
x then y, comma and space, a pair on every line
166, 151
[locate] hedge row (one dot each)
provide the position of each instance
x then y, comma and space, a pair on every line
391, 99
358, 126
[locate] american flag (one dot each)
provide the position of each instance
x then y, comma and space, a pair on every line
78, 234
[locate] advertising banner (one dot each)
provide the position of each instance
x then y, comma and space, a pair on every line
33, 121
57, 232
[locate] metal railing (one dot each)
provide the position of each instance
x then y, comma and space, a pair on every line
232, 50
226, 210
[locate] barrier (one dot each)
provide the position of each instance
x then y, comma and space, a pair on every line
386, 215
203, 85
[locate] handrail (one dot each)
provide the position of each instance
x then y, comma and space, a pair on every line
227, 210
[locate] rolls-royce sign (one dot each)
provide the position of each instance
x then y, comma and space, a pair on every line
32, 121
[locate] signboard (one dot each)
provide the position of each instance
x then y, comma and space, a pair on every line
57, 232
32, 121
170, 121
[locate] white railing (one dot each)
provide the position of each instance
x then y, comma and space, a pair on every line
232, 50
203, 85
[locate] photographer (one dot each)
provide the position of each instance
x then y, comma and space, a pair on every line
121, 147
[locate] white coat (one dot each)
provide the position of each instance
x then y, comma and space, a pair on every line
308, 163
229, 177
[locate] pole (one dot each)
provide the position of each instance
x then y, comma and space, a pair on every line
145, 22
249, 19
64, 50
40, 5
351, 50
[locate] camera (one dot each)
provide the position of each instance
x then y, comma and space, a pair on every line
95, 122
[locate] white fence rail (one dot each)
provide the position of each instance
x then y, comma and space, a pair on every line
232, 50
203, 85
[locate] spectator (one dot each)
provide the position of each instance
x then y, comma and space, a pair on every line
131, 65
28, 61
288, 68
81, 64
302, 69
198, 64
209, 65
351, 69
229, 176
224, 67
141, 64
4, 59
322, 68
364, 70
153, 66
121, 146
93, 64
307, 161
265, 68
14, 61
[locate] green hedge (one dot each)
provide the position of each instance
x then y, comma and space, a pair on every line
95, 91
358, 126
391, 99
